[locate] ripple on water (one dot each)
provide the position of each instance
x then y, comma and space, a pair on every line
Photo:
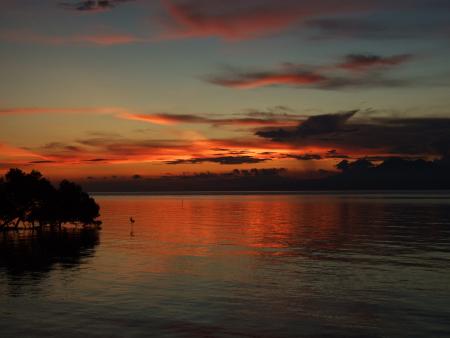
237, 266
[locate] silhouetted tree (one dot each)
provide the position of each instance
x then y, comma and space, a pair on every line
75, 206
22, 195
30, 199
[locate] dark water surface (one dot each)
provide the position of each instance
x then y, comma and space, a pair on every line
313, 265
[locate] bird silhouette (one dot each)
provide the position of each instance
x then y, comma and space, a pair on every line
132, 228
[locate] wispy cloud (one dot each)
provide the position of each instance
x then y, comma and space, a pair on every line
227, 160
262, 79
252, 118
170, 119
368, 27
91, 6
42, 162
60, 110
330, 154
305, 157
119, 150
100, 39
314, 125
363, 62
355, 70
237, 20
13, 154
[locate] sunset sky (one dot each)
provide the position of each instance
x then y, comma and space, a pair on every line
95, 88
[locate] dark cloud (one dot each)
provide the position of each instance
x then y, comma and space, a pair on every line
306, 157
314, 125
364, 61
97, 160
251, 179
102, 134
333, 153
372, 71
278, 115
389, 136
41, 162
92, 5
381, 158
367, 81
442, 145
62, 147
391, 173
369, 28
276, 134
126, 148
228, 160
167, 119
235, 173
327, 123
276, 112
346, 27
60, 150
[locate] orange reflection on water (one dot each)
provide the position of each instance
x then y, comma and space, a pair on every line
229, 236
226, 225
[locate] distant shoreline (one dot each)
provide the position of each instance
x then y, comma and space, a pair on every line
442, 192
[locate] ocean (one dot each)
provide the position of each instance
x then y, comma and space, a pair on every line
236, 265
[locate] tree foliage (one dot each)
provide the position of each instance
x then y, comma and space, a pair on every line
31, 200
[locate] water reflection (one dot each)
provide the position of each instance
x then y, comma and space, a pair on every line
283, 225
291, 265
31, 255
239, 266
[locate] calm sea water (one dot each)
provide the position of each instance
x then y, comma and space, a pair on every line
314, 265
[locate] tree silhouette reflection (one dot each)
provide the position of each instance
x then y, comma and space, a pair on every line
32, 254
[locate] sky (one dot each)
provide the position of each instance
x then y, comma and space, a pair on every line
160, 87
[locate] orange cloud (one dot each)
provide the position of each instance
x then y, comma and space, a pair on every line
231, 28
17, 155
163, 119
59, 110
106, 39
116, 150
371, 73
263, 80
119, 155
250, 119
93, 39
237, 20
170, 119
